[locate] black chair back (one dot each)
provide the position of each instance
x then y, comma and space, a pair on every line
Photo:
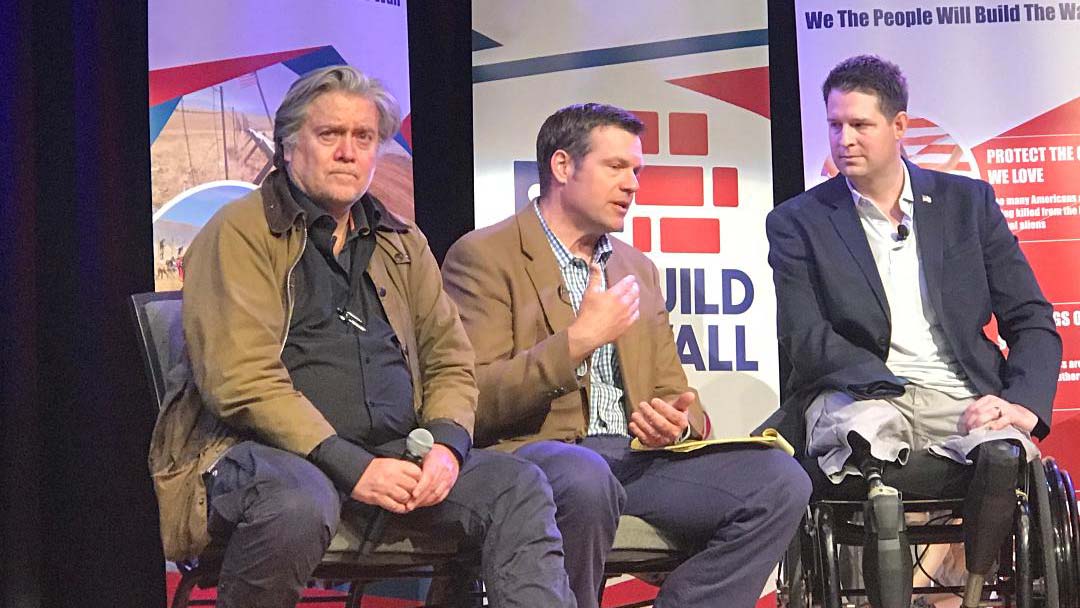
157, 316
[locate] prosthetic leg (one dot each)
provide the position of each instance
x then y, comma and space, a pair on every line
886, 553
988, 512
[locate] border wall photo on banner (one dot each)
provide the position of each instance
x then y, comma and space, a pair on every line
994, 95
219, 70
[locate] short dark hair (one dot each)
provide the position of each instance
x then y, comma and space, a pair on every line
872, 75
569, 130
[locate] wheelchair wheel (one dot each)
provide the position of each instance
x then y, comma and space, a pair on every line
1023, 551
1063, 520
825, 590
792, 586
1046, 590
1069, 495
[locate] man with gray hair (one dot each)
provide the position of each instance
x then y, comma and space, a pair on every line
319, 337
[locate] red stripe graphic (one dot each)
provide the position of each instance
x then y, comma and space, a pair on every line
920, 140
167, 83
920, 123
939, 149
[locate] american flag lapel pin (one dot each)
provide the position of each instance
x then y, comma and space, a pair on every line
926, 199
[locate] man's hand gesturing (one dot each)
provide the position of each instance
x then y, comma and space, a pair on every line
604, 315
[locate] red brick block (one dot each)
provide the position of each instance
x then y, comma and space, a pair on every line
667, 185
643, 234
688, 133
689, 235
650, 139
725, 187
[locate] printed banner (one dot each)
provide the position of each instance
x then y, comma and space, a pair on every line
994, 95
699, 78
219, 70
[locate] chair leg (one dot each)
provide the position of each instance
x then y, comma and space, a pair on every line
183, 590
477, 593
356, 594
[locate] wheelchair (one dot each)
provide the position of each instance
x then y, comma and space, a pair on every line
1038, 566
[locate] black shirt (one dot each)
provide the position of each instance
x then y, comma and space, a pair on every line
344, 356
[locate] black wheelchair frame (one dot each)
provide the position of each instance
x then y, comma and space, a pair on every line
1039, 567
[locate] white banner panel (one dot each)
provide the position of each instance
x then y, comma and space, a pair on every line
698, 77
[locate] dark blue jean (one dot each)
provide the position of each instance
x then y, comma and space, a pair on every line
740, 507
275, 513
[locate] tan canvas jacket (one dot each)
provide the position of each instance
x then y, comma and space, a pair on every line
507, 283
233, 385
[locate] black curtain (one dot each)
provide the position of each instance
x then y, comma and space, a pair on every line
440, 78
786, 123
79, 521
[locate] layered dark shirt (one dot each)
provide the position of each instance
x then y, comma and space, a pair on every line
344, 356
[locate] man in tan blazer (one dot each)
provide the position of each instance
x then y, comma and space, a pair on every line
575, 357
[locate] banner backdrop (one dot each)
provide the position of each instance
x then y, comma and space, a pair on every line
698, 78
994, 95
219, 70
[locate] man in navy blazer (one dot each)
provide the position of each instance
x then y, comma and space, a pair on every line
885, 277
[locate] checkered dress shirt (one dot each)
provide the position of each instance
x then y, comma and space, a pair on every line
606, 413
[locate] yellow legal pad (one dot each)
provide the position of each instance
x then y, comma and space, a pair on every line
769, 438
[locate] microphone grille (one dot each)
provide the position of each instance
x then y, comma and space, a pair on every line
419, 442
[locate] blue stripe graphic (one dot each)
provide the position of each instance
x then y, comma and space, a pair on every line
619, 54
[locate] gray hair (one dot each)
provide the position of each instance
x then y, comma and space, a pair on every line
293, 109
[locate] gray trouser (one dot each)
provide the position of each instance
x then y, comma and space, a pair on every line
275, 513
922, 419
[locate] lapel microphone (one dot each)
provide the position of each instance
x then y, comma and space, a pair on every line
902, 232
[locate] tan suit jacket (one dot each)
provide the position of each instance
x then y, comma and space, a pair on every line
515, 308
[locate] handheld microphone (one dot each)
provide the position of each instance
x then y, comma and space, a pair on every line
902, 232
417, 445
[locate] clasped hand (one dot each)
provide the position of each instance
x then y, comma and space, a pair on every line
400, 486
995, 413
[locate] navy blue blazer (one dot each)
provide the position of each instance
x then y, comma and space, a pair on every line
833, 318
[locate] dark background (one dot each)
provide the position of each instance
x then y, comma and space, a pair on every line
78, 519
